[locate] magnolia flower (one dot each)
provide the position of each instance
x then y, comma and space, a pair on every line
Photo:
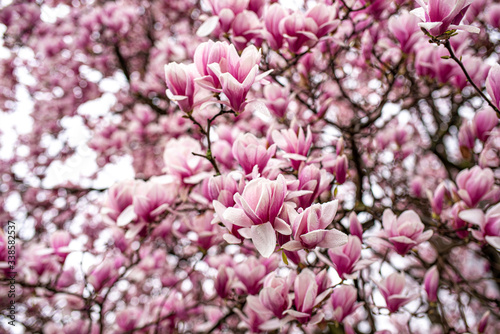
296, 145
484, 121
493, 84
250, 152
181, 86
257, 213
489, 224
440, 16
275, 13
343, 302
431, 283
274, 296
392, 290
309, 228
473, 184
405, 231
345, 258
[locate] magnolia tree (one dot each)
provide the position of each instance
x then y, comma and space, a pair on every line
318, 167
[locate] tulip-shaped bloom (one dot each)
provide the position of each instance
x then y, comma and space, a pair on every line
460, 226
344, 258
209, 53
59, 242
246, 26
224, 281
221, 188
392, 290
473, 184
404, 231
227, 11
484, 121
489, 224
180, 161
324, 17
340, 169
306, 297
257, 212
120, 196
250, 152
431, 284
483, 322
105, 273
275, 13
309, 228
310, 179
439, 16
274, 296
493, 84
277, 99
181, 86
466, 138
237, 74
343, 302
295, 145
128, 319
406, 30
153, 198
299, 31
251, 273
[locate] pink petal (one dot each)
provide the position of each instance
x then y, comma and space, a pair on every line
264, 239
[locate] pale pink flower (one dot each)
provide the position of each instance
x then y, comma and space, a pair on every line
257, 212
405, 231
224, 281
181, 86
484, 121
275, 13
237, 75
493, 84
493, 15
343, 302
392, 290
180, 161
226, 11
277, 99
296, 145
299, 31
489, 224
221, 188
120, 196
209, 53
473, 184
152, 198
345, 258
406, 30
275, 294
340, 169
59, 242
246, 26
309, 228
355, 226
466, 137
250, 152
431, 283
306, 298
129, 318
324, 17
440, 16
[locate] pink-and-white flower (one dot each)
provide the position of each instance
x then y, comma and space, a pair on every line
250, 152
405, 231
309, 228
343, 301
440, 16
392, 288
296, 145
431, 283
488, 223
474, 184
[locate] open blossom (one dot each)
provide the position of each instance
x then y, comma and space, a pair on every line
120, 196
250, 152
296, 145
344, 258
440, 16
392, 290
299, 31
324, 17
343, 301
227, 10
405, 231
473, 184
489, 224
209, 53
275, 13
237, 74
406, 30
275, 294
309, 228
493, 84
257, 212
484, 121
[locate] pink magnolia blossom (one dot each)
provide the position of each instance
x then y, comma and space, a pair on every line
120, 196
275, 13
306, 297
493, 15
440, 16
238, 74
274, 296
224, 281
391, 289
340, 169
324, 17
152, 198
355, 226
257, 211
343, 301
345, 258
59, 241
406, 30
405, 231
209, 53
250, 152
296, 145
227, 10
128, 319
309, 228
488, 223
299, 31
493, 84
221, 188
473, 184
431, 283
277, 99
181, 86
246, 26
483, 322
484, 121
